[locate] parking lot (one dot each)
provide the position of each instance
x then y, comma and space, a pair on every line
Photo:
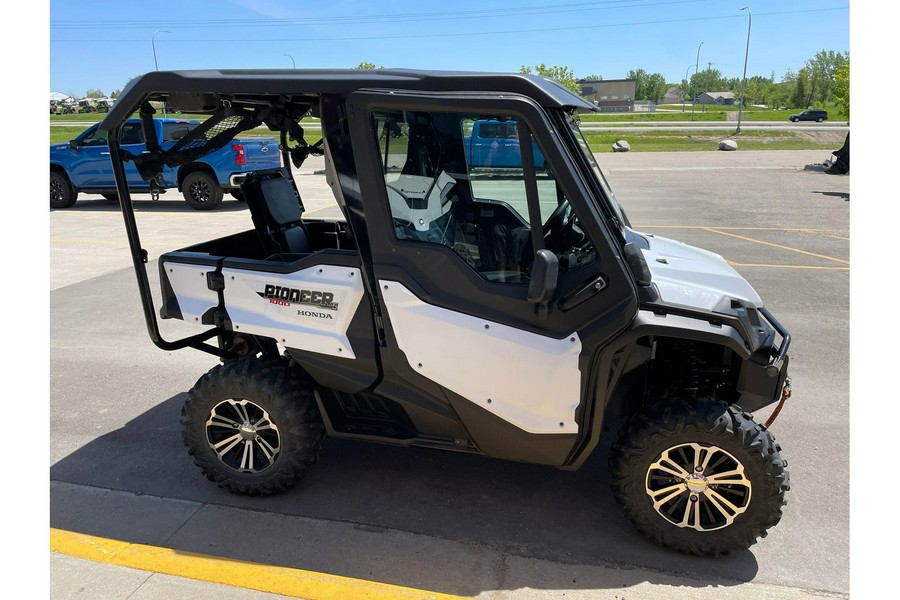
445, 522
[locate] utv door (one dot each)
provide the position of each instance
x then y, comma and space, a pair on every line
454, 248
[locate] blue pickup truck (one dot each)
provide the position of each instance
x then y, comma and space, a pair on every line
494, 144
83, 165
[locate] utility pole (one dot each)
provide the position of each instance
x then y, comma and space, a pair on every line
156, 64
744, 80
708, 73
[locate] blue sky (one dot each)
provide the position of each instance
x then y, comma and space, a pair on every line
102, 44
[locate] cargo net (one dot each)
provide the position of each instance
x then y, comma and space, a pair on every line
209, 136
217, 131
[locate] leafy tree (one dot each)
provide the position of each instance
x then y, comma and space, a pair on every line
780, 94
115, 93
593, 78
842, 87
800, 96
563, 75
649, 86
759, 90
709, 80
367, 65
94, 94
821, 70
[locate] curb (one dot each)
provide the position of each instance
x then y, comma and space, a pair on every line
296, 583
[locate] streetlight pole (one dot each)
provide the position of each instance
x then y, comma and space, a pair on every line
156, 64
293, 64
744, 81
684, 92
696, 70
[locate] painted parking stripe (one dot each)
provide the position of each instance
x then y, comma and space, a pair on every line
767, 266
295, 583
741, 237
725, 231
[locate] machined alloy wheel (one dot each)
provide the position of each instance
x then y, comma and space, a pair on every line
243, 436
253, 425
698, 486
699, 475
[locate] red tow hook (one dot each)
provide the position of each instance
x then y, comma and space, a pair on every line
785, 394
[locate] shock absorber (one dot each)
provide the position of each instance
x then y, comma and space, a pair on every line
690, 381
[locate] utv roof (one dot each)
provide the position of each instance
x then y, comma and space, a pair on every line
251, 84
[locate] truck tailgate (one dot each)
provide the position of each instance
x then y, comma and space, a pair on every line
260, 154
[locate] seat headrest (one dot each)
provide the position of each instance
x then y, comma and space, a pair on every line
281, 200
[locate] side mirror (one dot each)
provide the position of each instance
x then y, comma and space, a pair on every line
544, 275
73, 144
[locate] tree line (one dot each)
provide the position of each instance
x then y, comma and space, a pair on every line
824, 79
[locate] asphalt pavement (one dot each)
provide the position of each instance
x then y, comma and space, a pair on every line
393, 522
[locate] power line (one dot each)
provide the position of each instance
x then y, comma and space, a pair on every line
368, 19
445, 35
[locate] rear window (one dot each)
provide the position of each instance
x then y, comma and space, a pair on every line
172, 132
498, 130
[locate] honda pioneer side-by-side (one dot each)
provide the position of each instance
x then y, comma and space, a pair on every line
504, 309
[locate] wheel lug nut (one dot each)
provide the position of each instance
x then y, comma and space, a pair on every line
694, 498
698, 469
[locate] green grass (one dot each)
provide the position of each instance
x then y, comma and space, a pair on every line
688, 141
61, 134
712, 113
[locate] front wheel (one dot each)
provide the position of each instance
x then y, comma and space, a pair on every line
699, 476
252, 425
202, 191
62, 195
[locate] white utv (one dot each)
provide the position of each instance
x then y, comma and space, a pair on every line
510, 312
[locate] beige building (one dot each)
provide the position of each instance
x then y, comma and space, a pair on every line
610, 95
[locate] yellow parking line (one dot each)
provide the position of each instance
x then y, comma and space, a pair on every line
741, 237
804, 229
737, 264
296, 583
823, 232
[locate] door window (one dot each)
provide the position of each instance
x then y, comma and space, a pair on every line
94, 137
459, 180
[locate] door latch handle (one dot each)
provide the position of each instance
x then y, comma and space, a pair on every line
594, 286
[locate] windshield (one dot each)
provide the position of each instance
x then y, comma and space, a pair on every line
604, 184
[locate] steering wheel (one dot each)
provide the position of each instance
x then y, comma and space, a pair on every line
557, 221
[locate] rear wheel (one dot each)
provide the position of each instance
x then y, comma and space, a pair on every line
252, 425
202, 191
699, 476
111, 198
61, 193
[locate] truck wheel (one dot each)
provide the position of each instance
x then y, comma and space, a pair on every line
252, 425
111, 198
61, 193
699, 476
202, 191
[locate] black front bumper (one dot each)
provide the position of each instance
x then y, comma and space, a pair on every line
760, 385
